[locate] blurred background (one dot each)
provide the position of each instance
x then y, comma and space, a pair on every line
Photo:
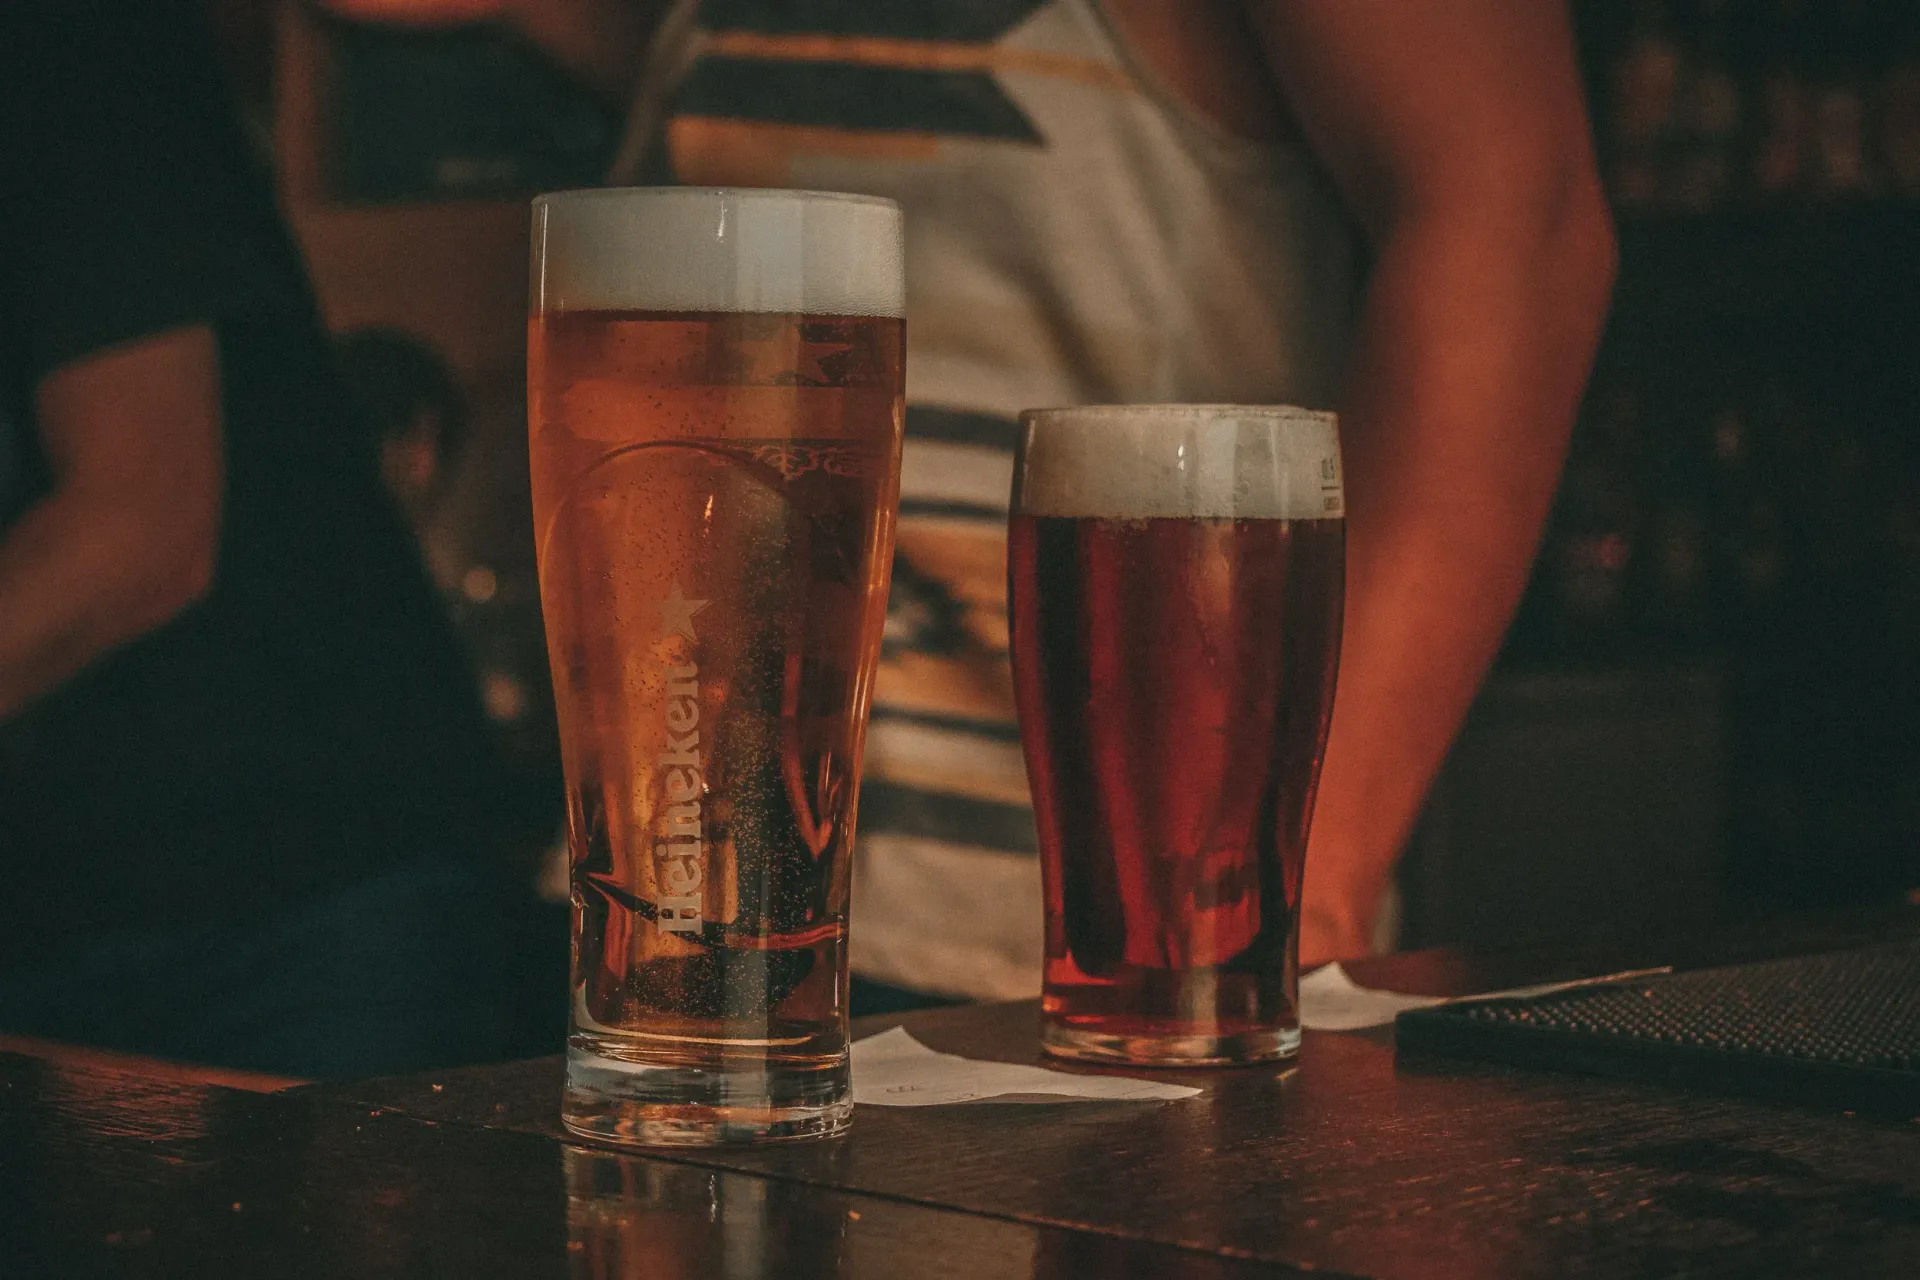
1707, 705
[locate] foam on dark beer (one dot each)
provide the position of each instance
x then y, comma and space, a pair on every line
1208, 462
701, 249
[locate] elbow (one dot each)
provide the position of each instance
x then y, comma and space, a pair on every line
1582, 248
175, 581
193, 577
1554, 218
1536, 216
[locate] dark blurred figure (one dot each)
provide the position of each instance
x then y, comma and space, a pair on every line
416, 423
242, 768
416, 415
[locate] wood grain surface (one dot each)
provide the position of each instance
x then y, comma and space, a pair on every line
1361, 1166
105, 1171
1352, 1164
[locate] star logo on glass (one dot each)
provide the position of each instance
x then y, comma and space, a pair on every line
676, 612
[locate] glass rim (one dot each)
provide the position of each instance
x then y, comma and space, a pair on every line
1107, 414
1184, 461
656, 192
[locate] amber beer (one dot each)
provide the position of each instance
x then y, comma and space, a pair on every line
714, 392
1177, 576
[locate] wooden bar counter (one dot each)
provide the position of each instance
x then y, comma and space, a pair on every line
1351, 1165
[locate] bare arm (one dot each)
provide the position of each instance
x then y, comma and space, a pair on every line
129, 534
1457, 133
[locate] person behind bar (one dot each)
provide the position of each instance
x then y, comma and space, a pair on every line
1386, 208
241, 761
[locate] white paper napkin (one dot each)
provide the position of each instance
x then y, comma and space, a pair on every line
893, 1069
1332, 1001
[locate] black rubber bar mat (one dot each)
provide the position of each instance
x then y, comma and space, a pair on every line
1835, 1030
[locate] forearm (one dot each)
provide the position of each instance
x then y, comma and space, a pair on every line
128, 534
74, 586
1470, 357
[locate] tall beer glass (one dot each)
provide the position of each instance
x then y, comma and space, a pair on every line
1177, 575
714, 388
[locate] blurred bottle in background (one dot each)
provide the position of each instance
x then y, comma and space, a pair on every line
1785, 129
1644, 89
1712, 105
1672, 602
1591, 541
1710, 108
1843, 52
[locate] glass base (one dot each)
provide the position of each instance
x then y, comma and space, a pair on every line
1094, 1042
630, 1104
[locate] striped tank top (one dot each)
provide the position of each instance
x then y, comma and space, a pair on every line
1075, 234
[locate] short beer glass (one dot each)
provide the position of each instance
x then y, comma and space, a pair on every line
1177, 575
715, 409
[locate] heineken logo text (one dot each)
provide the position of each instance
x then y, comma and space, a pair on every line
679, 849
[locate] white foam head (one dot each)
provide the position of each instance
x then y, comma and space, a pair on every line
717, 249
1202, 461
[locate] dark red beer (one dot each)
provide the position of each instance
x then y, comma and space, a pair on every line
1175, 678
